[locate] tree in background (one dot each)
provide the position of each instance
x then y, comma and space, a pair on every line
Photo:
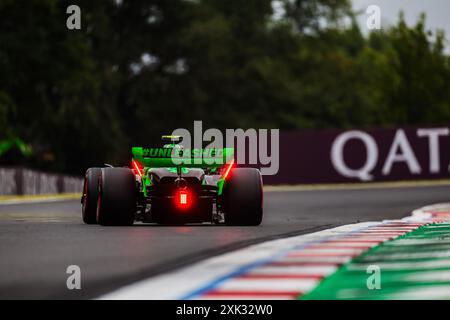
138, 69
423, 92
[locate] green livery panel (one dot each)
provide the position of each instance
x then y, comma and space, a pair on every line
178, 157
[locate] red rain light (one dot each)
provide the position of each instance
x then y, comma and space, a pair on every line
137, 168
227, 171
183, 199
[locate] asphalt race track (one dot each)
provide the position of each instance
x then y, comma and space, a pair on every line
39, 241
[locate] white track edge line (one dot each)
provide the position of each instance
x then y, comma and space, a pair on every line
181, 282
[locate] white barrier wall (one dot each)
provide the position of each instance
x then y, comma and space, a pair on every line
18, 181
8, 184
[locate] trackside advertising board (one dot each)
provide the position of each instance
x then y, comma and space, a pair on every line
363, 155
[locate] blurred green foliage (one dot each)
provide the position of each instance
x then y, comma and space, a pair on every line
139, 69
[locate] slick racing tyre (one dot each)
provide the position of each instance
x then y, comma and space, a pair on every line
243, 198
90, 195
117, 197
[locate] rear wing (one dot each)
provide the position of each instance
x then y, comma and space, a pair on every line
175, 156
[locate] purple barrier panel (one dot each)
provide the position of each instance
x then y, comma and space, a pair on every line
334, 156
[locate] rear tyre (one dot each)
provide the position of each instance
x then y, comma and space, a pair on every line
243, 198
90, 195
117, 197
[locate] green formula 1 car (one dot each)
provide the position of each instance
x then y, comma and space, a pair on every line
173, 185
